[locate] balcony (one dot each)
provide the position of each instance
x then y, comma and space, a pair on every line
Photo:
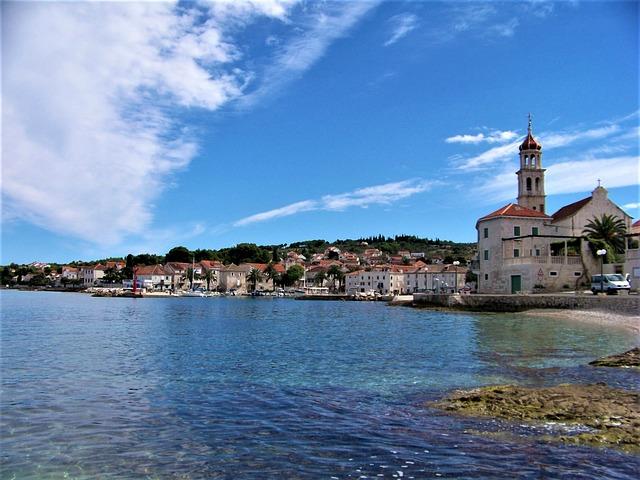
544, 260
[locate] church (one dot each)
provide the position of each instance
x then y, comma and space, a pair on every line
523, 249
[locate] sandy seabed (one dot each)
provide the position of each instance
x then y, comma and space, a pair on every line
609, 319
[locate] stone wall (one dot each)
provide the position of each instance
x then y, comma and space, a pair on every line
622, 304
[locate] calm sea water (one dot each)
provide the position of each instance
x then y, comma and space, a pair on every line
234, 388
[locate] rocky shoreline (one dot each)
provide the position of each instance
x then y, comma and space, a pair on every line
609, 417
600, 415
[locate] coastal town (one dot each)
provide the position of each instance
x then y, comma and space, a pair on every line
520, 249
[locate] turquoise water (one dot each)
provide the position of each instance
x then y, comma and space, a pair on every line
262, 388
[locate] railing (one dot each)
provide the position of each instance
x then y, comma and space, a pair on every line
543, 259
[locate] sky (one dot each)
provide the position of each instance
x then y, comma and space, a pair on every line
135, 127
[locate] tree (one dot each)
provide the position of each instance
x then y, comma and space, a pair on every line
254, 276
179, 254
320, 278
191, 276
111, 275
209, 276
295, 273
606, 232
271, 273
334, 273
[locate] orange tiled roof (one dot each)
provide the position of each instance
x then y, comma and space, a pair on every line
515, 210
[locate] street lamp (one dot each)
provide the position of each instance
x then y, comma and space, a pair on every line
601, 253
455, 272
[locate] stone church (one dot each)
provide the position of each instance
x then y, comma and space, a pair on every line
521, 248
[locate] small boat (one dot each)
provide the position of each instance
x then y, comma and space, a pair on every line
193, 293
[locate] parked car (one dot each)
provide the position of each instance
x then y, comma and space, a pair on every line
610, 283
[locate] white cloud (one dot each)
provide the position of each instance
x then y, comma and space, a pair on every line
562, 139
285, 211
614, 172
549, 141
506, 29
301, 52
384, 194
493, 155
631, 206
497, 136
90, 92
401, 24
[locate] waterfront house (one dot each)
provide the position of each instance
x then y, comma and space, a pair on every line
233, 278
154, 277
90, 275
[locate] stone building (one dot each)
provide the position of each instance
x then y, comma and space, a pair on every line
523, 249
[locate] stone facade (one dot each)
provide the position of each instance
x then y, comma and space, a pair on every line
522, 249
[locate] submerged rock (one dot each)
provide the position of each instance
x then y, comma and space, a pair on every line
626, 359
611, 416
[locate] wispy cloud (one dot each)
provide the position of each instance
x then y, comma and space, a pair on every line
614, 172
549, 140
285, 211
302, 51
496, 136
631, 206
506, 29
384, 194
401, 25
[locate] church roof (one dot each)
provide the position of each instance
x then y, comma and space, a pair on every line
530, 143
515, 210
571, 209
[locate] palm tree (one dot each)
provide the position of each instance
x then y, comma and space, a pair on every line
271, 273
606, 232
320, 278
209, 276
191, 276
254, 277
334, 273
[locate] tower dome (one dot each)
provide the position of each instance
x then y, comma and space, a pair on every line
529, 142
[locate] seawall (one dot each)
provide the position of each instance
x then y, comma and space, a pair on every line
621, 304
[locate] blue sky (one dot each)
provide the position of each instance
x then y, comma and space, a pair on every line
133, 128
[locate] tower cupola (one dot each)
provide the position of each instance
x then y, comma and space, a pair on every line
531, 174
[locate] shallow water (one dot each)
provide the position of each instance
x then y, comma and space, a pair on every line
262, 388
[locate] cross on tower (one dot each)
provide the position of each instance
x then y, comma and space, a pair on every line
598, 182
529, 127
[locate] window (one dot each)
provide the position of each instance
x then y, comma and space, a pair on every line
577, 274
534, 230
528, 184
553, 273
486, 233
486, 254
516, 252
516, 231
486, 276
537, 252
537, 184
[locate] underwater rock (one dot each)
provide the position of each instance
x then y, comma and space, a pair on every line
626, 359
612, 416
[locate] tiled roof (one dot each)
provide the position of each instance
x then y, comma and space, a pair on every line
150, 270
530, 143
570, 209
514, 210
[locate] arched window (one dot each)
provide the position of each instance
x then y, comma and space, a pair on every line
526, 160
533, 160
528, 184
537, 184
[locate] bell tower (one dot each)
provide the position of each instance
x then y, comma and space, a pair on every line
531, 174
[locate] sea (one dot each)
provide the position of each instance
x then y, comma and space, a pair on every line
266, 388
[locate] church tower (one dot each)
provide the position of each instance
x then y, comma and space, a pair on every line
531, 174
